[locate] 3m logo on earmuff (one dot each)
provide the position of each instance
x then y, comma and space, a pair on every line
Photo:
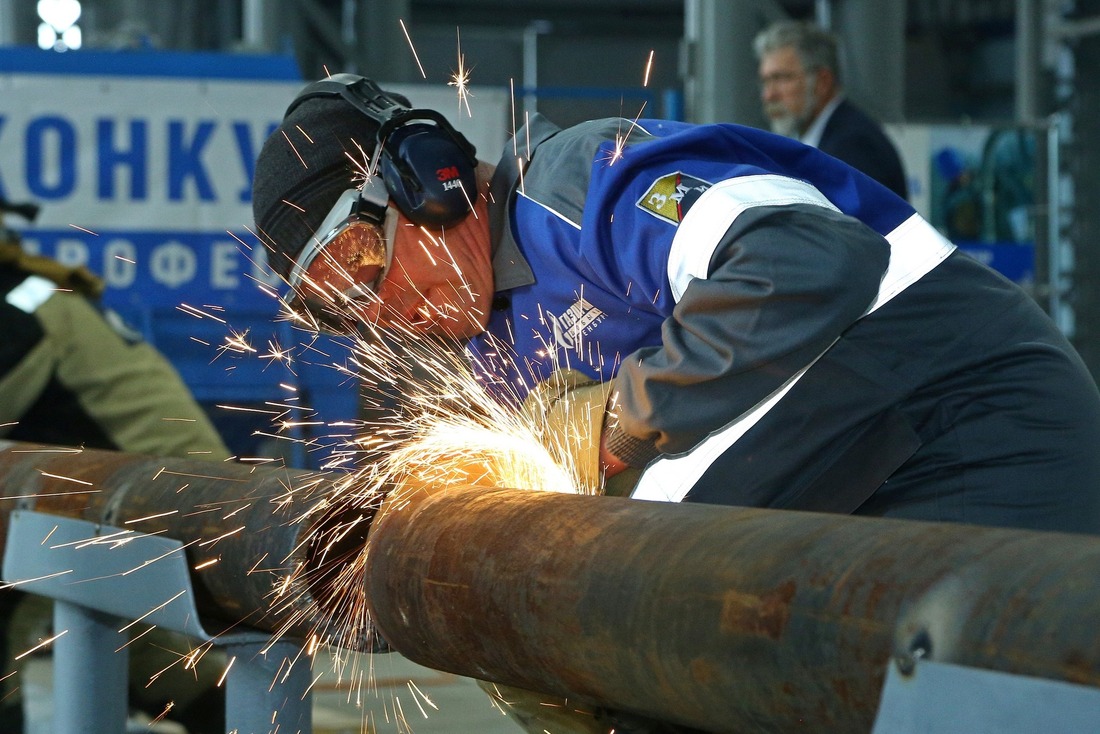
450, 177
428, 166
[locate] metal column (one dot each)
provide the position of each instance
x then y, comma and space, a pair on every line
267, 685
719, 66
90, 662
260, 24
872, 37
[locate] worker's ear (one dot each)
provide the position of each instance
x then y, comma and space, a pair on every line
825, 83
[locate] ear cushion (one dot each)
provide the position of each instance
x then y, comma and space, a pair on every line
428, 176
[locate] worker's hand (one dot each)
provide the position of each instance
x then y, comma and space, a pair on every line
567, 411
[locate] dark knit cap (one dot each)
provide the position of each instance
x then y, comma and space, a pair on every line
302, 169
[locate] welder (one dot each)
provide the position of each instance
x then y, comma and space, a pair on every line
737, 317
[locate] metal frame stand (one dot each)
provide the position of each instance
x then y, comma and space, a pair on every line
100, 579
942, 698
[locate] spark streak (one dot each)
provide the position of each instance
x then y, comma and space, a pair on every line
66, 479
412, 48
225, 673
40, 645
13, 584
151, 611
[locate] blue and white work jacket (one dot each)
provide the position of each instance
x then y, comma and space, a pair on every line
707, 270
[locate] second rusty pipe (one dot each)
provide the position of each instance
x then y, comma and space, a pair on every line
260, 534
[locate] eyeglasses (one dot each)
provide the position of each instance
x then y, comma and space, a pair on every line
781, 78
358, 233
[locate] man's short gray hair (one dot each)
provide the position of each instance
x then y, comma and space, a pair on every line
816, 47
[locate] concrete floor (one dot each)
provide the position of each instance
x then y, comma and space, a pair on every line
405, 698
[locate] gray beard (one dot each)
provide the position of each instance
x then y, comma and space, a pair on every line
787, 126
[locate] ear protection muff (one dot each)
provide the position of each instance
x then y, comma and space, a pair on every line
427, 165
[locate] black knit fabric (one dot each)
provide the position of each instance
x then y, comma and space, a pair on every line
302, 169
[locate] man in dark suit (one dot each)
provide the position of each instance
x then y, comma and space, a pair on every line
803, 98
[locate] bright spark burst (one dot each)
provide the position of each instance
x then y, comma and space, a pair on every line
451, 433
237, 342
460, 79
621, 140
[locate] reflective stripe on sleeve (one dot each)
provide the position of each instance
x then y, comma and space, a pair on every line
709, 218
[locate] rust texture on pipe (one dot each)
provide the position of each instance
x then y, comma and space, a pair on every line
251, 520
723, 619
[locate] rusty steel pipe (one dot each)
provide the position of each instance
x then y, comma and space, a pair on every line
251, 520
723, 619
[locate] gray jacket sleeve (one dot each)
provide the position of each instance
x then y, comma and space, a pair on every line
784, 283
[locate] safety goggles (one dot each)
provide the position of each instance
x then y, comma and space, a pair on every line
357, 233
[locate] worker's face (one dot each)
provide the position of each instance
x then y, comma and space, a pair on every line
787, 91
439, 282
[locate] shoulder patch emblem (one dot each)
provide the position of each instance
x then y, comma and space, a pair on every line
671, 195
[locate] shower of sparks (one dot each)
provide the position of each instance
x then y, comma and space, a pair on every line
82, 229
412, 48
621, 139
460, 79
451, 432
648, 69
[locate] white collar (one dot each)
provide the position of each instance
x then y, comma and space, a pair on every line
813, 133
